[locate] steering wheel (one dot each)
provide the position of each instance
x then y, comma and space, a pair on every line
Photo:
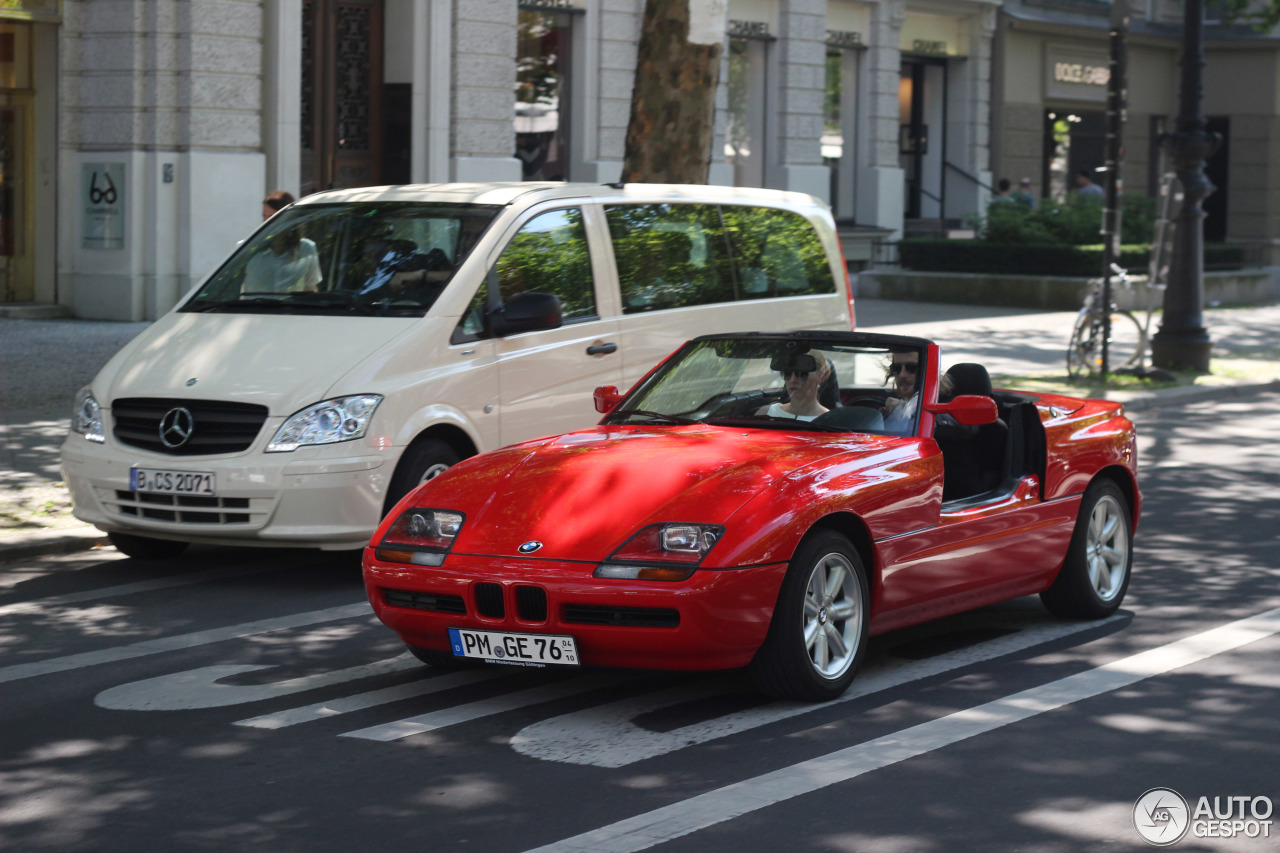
873, 402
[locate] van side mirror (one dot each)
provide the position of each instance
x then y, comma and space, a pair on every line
967, 409
525, 312
607, 398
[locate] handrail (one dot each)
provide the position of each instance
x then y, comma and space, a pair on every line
974, 178
924, 191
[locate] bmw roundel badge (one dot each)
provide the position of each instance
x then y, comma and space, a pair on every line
529, 547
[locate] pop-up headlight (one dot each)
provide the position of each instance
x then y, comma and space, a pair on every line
421, 537
661, 552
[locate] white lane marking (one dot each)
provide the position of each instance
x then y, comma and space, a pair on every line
19, 671
679, 819
38, 605
607, 735
484, 708
347, 704
199, 688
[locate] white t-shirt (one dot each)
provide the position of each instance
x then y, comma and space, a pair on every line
900, 415
776, 411
268, 272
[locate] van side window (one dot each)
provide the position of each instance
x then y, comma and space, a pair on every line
776, 253
670, 256
549, 255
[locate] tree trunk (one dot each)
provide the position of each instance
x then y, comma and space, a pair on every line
673, 100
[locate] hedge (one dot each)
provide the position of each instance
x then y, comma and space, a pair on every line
977, 256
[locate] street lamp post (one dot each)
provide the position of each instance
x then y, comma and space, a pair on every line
1182, 343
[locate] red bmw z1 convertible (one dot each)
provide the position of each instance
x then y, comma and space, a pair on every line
766, 501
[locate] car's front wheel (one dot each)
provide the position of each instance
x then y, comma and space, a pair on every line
819, 630
424, 460
1095, 574
146, 548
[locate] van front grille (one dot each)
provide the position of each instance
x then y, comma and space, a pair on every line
203, 428
182, 509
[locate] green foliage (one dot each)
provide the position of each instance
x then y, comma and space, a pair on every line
1073, 222
980, 256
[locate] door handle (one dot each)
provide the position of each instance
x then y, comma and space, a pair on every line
602, 349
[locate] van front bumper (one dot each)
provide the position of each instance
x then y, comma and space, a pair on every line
329, 499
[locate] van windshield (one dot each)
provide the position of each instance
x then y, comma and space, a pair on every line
367, 259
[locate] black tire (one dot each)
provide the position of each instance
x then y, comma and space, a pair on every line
1095, 575
146, 548
441, 660
1084, 353
423, 460
789, 666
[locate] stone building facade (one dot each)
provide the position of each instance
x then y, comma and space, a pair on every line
141, 135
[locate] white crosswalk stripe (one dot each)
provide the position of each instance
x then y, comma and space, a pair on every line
484, 708
372, 699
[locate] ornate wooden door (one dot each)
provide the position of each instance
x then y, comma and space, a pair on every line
341, 94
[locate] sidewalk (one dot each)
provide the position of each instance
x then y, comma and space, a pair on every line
43, 363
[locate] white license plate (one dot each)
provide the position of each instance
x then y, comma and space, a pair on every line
502, 647
163, 482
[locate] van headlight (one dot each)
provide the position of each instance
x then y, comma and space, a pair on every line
86, 417
327, 422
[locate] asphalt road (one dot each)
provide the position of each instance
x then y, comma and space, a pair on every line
249, 701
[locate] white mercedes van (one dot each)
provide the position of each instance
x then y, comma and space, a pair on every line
362, 341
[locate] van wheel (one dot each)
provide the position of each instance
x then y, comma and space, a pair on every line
423, 461
145, 548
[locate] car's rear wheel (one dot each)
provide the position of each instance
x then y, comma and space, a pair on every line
146, 548
819, 630
1095, 574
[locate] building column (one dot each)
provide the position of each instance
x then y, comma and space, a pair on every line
880, 178
797, 164
484, 99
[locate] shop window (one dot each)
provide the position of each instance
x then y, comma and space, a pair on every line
542, 95
838, 129
745, 130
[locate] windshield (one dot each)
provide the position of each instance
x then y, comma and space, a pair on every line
783, 383
364, 258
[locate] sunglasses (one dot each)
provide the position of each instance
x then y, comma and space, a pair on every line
802, 375
899, 366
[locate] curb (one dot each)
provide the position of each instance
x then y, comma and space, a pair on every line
65, 541
84, 538
1184, 394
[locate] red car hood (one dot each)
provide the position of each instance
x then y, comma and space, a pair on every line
585, 493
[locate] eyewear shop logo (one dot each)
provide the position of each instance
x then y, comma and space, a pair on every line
1163, 817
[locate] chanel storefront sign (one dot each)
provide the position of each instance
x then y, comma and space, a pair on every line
1076, 74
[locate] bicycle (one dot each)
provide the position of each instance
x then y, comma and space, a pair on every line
1128, 339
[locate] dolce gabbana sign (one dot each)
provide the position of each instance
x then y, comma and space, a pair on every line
1076, 74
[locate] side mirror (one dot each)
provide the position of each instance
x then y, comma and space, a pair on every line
967, 409
606, 398
525, 312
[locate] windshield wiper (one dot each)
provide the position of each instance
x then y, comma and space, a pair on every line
658, 416
255, 303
